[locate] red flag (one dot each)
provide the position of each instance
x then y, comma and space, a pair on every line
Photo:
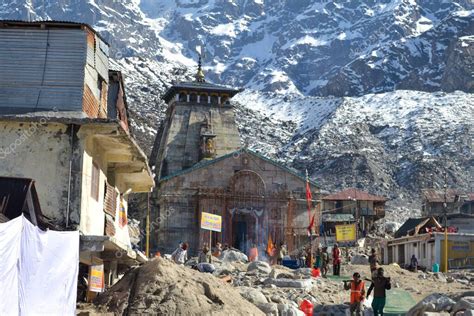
311, 224
309, 198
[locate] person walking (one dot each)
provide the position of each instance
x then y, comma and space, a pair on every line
379, 284
317, 256
180, 255
373, 261
336, 260
357, 287
325, 261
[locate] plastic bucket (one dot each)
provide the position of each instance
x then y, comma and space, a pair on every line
435, 268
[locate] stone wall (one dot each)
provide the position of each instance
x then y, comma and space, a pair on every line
179, 201
180, 143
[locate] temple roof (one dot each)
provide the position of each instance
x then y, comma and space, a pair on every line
198, 87
206, 163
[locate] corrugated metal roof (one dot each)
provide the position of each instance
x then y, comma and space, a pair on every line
42, 69
49, 24
353, 194
437, 196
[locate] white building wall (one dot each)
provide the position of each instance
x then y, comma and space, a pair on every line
41, 151
92, 211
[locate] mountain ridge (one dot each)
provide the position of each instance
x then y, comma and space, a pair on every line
307, 66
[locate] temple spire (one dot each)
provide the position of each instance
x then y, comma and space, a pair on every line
200, 73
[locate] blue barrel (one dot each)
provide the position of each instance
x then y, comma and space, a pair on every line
435, 268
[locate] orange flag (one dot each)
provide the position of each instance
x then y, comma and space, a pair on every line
269, 244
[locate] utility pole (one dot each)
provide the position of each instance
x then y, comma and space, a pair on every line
445, 207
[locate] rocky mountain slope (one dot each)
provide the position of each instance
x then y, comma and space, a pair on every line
319, 77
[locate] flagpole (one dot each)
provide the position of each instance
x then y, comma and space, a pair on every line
308, 201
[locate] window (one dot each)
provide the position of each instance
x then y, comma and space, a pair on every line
95, 175
110, 200
102, 90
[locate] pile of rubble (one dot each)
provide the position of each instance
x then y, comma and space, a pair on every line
164, 288
444, 305
239, 287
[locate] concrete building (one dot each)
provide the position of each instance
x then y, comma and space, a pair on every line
364, 207
61, 125
423, 237
457, 202
201, 167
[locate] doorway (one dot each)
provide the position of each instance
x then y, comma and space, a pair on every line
240, 236
243, 232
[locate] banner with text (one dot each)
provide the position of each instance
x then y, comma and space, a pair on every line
96, 279
345, 233
211, 222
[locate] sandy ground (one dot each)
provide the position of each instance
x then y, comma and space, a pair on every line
411, 281
325, 291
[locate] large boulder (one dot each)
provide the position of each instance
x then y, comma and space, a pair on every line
233, 256
279, 272
253, 295
289, 310
224, 269
259, 266
360, 259
304, 272
432, 303
268, 308
465, 303
440, 276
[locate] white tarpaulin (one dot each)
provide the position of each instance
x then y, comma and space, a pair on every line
38, 270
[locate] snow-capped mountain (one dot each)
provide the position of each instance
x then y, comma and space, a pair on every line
319, 76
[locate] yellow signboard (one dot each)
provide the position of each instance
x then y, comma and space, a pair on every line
211, 222
96, 278
345, 233
459, 252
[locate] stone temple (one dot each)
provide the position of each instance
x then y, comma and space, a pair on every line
201, 166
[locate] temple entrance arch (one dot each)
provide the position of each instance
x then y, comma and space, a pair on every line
246, 206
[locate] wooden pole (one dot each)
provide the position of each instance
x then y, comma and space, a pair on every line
147, 250
210, 239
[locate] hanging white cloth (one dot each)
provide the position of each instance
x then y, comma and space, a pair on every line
47, 266
10, 241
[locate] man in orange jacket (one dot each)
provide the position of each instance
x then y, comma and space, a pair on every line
357, 287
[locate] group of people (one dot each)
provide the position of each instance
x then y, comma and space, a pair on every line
322, 260
379, 285
274, 254
204, 264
